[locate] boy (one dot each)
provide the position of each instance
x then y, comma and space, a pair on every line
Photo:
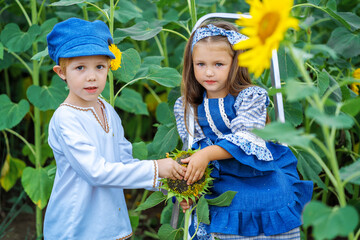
94, 160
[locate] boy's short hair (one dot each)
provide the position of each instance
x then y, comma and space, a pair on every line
75, 37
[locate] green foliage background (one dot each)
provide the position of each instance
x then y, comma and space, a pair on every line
316, 67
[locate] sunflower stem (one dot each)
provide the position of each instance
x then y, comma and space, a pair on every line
186, 224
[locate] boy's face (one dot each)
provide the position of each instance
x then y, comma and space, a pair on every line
86, 79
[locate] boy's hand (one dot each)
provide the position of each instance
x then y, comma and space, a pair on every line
184, 205
168, 168
197, 164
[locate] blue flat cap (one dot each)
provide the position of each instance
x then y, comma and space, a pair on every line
75, 37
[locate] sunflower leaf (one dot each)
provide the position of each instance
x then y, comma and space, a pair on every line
223, 200
202, 211
166, 232
153, 200
329, 222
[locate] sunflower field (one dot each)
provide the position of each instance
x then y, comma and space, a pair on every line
318, 49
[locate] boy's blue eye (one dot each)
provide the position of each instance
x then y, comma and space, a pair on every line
80, 67
200, 64
219, 64
100, 66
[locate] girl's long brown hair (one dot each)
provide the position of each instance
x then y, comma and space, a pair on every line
191, 90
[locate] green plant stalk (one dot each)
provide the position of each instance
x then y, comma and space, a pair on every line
6, 142
7, 83
192, 10
163, 39
129, 83
111, 75
174, 32
186, 223
328, 136
37, 120
325, 192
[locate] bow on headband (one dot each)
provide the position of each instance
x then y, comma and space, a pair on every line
211, 30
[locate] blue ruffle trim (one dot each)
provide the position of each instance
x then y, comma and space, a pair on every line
262, 153
267, 222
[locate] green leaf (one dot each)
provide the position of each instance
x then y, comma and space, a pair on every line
223, 200
154, 199
202, 210
166, 232
126, 11
309, 168
337, 17
16, 40
331, 4
152, 60
11, 113
287, 67
134, 219
168, 77
131, 101
139, 150
64, 3
293, 113
284, 133
130, 64
37, 184
329, 222
48, 97
344, 42
165, 140
40, 55
351, 18
351, 171
46, 152
351, 106
140, 31
1, 51
322, 82
163, 114
11, 171
340, 121
296, 90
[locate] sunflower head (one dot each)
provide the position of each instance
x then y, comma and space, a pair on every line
179, 188
115, 63
266, 28
356, 73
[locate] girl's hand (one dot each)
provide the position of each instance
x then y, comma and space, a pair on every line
168, 168
197, 164
184, 205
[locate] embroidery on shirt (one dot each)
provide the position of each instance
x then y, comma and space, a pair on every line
209, 119
223, 114
126, 237
102, 106
155, 174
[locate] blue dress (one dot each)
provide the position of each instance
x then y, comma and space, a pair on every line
270, 196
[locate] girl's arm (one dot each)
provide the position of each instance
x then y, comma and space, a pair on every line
198, 162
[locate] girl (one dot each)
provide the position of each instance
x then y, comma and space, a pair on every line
270, 197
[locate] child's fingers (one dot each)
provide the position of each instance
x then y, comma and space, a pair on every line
193, 178
185, 160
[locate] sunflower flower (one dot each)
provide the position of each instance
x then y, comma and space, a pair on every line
115, 63
179, 188
355, 86
266, 28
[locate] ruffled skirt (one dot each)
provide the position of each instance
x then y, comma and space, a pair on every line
270, 196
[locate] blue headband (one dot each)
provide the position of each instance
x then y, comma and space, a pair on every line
211, 30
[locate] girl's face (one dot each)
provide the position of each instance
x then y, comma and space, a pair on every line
86, 79
212, 63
